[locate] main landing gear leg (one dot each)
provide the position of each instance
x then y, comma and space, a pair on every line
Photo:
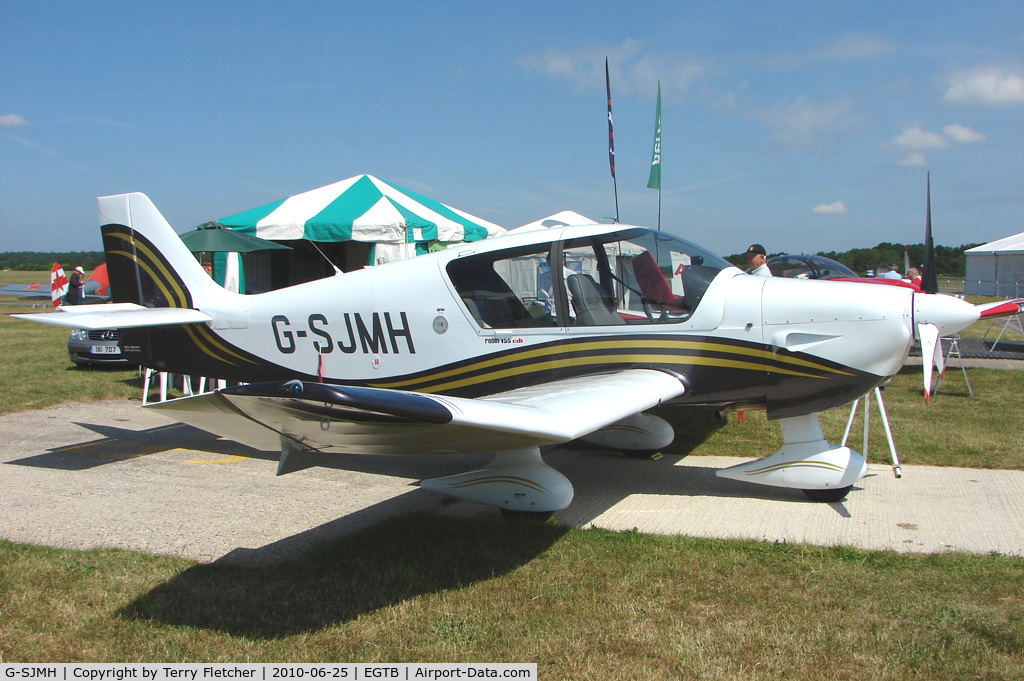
518, 482
806, 462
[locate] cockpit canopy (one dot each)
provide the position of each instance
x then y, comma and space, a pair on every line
630, 276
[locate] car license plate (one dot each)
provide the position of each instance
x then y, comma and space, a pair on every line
105, 349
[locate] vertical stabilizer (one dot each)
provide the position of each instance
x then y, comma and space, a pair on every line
146, 261
148, 265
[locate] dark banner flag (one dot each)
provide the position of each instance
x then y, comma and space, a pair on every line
611, 133
611, 138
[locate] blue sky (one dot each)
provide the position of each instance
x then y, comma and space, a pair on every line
805, 126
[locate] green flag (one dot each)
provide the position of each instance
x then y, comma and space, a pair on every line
654, 182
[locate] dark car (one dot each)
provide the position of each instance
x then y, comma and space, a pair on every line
809, 267
95, 348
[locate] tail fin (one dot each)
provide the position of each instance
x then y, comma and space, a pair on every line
147, 263
59, 284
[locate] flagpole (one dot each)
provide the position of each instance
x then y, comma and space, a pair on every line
611, 138
659, 209
654, 181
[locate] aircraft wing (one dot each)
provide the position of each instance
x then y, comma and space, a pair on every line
330, 418
117, 316
27, 290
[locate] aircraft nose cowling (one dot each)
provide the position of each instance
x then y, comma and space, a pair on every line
947, 313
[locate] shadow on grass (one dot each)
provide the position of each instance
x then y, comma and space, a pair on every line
693, 426
382, 566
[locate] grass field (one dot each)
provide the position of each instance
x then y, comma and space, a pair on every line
581, 603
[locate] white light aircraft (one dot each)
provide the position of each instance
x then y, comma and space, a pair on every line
508, 344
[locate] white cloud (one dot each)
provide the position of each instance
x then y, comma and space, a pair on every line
841, 47
915, 159
916, 139
962, 134
12, 121
991, 85
632, 68
802, 121
834, 208
849, 46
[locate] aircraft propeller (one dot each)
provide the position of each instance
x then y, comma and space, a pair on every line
929, 333
938, 316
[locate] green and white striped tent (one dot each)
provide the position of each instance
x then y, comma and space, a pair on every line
364, 208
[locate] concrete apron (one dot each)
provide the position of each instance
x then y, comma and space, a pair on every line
112, 474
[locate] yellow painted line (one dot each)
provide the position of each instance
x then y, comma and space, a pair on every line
130, 452
230, 459
110, 449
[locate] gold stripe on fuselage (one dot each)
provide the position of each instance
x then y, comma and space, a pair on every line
562, 356
205, 340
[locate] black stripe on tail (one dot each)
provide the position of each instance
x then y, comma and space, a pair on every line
139, 273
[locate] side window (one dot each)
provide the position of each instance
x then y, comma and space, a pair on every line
638, 277
506, 290
589, 285
791, 268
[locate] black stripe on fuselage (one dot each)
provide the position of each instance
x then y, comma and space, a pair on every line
739, 368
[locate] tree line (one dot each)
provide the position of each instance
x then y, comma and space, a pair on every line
30, 261
949, 260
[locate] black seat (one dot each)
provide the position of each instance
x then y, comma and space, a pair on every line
591, 304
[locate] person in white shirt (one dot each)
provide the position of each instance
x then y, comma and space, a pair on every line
756, 258
893, 273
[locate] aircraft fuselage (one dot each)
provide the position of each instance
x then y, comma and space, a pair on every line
429, 325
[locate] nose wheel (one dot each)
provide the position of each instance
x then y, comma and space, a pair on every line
539, 517
828, 496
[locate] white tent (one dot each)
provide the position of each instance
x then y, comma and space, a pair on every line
364, 209
566, 218
996, 268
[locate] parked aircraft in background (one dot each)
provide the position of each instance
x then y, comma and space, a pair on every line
809, 267
498, 346
95, 287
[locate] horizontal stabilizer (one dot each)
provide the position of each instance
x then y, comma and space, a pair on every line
117, 316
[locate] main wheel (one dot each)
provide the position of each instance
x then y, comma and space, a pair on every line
828, 496
643, 454
527, 516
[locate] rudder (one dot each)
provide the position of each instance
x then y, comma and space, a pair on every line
147, 262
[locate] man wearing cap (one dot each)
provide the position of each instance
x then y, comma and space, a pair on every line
756, 257
893, 273
75, 283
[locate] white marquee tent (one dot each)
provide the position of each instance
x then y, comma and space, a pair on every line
399, 222
563, 219
996, 268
